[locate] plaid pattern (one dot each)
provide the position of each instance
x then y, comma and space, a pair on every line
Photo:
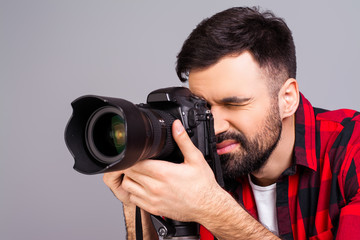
319, 196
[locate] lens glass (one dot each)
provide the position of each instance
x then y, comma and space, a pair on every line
117, 133
109, 134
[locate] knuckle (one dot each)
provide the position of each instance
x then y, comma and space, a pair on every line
156, 189
131, 199
113, 178
106, 179
197, 153
126, 186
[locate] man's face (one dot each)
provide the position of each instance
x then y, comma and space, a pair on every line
247, 121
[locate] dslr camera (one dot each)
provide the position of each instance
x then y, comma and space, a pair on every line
108, 134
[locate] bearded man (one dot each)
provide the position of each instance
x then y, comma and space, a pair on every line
292, 171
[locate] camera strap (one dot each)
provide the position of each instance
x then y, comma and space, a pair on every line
214, 157
138, 224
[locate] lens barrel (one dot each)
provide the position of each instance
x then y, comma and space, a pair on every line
114, 133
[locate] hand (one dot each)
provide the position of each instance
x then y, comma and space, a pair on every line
184, 192
177, 191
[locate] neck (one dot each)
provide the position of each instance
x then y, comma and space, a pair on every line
280, 159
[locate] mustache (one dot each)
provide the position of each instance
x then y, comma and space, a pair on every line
237, 136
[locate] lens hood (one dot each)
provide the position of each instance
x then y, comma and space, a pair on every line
76, 134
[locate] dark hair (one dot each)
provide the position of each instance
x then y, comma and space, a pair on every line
234, 31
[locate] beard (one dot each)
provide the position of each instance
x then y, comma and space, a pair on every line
253, 153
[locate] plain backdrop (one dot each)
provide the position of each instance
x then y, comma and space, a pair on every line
52, 52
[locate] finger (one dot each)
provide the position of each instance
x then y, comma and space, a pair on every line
188, 149
145, 205
147, 198
151, 176
123, 186
149, 168
132, 187
113, 179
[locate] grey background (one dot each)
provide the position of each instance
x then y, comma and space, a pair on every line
54, 51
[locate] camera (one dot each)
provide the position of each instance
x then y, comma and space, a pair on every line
108, 134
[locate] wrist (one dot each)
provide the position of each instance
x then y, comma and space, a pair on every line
226, 219
216, 204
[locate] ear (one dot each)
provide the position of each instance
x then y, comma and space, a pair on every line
289, 98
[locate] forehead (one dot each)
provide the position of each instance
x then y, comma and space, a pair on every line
235, 75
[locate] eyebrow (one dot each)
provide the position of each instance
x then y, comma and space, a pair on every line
235, 99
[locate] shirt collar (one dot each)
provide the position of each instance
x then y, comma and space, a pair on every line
305, 145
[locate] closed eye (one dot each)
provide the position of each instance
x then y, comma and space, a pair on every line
235, 101
234, 105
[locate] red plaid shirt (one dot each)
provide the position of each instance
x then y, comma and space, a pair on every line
319, 196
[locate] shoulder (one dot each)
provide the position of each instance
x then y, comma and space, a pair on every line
338, 144
340, 128
340, 116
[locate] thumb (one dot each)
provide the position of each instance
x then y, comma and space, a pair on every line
182, 139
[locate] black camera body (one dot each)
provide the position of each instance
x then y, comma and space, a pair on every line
108, 134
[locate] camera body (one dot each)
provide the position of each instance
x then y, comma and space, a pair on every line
180, 103
108, 134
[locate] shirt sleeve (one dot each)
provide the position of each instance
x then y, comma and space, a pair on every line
349, 220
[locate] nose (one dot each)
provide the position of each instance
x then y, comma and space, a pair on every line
221, 124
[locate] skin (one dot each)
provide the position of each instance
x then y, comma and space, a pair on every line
240, 100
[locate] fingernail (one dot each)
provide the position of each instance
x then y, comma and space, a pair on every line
178, 127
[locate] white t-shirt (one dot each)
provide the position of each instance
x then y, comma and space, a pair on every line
265, 199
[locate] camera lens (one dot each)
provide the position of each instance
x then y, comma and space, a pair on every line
117, 133
112, 133
109, 134
106, 134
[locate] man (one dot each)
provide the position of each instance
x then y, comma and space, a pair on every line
292, 170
